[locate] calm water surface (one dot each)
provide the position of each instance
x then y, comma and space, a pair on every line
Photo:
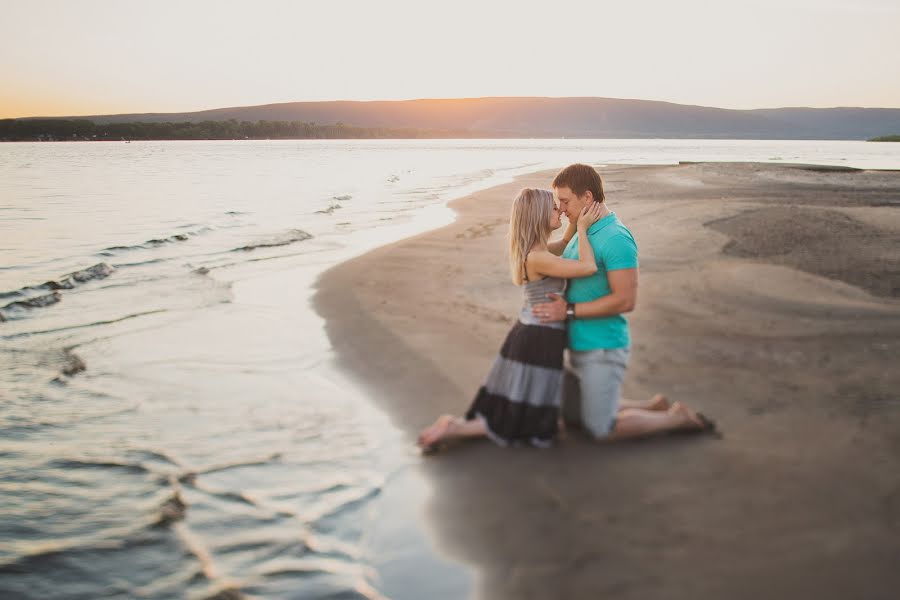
173, 422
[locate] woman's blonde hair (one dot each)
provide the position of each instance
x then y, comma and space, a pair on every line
529, 223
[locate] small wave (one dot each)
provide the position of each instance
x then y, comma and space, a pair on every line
332, 506
297, 571
239, 497
26, 428
271, 509
188, 478
98, 271
34, 302
157, 455
154, 243
285, 239
41, 558
83, 325
141, 263
309, 566
67, 282
333, 488
295, 545
343, 198
173, 509
70, 463
74, 363
178, 237
331, 208
238, 464
351, 502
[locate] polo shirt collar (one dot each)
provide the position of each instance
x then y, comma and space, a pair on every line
607, 220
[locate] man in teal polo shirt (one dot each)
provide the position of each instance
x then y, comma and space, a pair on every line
599, 341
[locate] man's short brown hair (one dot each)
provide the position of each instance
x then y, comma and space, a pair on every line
580, 179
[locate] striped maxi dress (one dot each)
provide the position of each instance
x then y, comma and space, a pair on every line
519, 401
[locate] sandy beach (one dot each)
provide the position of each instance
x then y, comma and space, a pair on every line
769, 299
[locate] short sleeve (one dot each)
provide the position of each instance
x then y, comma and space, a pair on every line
619, 252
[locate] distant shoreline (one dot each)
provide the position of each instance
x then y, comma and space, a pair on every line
527, 117
85, 130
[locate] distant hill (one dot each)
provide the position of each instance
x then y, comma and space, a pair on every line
562, 117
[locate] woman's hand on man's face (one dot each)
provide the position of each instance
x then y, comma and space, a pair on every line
590, 214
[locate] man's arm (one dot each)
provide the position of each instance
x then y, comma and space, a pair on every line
621, 299
558, 246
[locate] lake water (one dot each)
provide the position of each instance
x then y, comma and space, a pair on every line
173, 421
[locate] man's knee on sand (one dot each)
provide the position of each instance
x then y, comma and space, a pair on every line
592, 387
599, 419
595, 417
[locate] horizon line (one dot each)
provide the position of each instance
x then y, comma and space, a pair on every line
444, 99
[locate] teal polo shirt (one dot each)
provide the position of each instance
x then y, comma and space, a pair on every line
614, 249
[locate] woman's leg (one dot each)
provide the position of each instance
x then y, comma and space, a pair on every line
448, 427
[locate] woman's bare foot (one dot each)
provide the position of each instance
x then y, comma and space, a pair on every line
436, 432
690, 418
658, 402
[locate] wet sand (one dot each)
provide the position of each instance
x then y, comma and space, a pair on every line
769, 299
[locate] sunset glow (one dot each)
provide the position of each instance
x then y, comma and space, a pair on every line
101, 56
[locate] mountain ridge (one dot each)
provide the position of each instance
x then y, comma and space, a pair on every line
534, 116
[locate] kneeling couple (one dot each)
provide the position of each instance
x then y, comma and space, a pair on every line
522, 398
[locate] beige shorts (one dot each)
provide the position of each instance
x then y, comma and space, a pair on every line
592, 387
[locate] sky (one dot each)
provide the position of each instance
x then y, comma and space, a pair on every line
82, 57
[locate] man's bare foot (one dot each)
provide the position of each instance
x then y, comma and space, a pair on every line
691, 420
658, 402
436, 431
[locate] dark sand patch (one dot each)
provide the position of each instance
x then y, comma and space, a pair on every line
767, 183
819, 241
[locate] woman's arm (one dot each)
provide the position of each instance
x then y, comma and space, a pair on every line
559, 246
549, 265
621, 299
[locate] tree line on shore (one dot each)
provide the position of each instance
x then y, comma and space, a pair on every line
38, 130
33, 130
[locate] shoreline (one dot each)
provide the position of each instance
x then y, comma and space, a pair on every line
784, 366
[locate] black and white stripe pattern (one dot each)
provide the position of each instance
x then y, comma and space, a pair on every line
520, 399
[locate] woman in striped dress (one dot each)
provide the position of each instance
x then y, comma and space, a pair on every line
519, 401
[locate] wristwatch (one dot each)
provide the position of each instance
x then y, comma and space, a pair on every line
570, 311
